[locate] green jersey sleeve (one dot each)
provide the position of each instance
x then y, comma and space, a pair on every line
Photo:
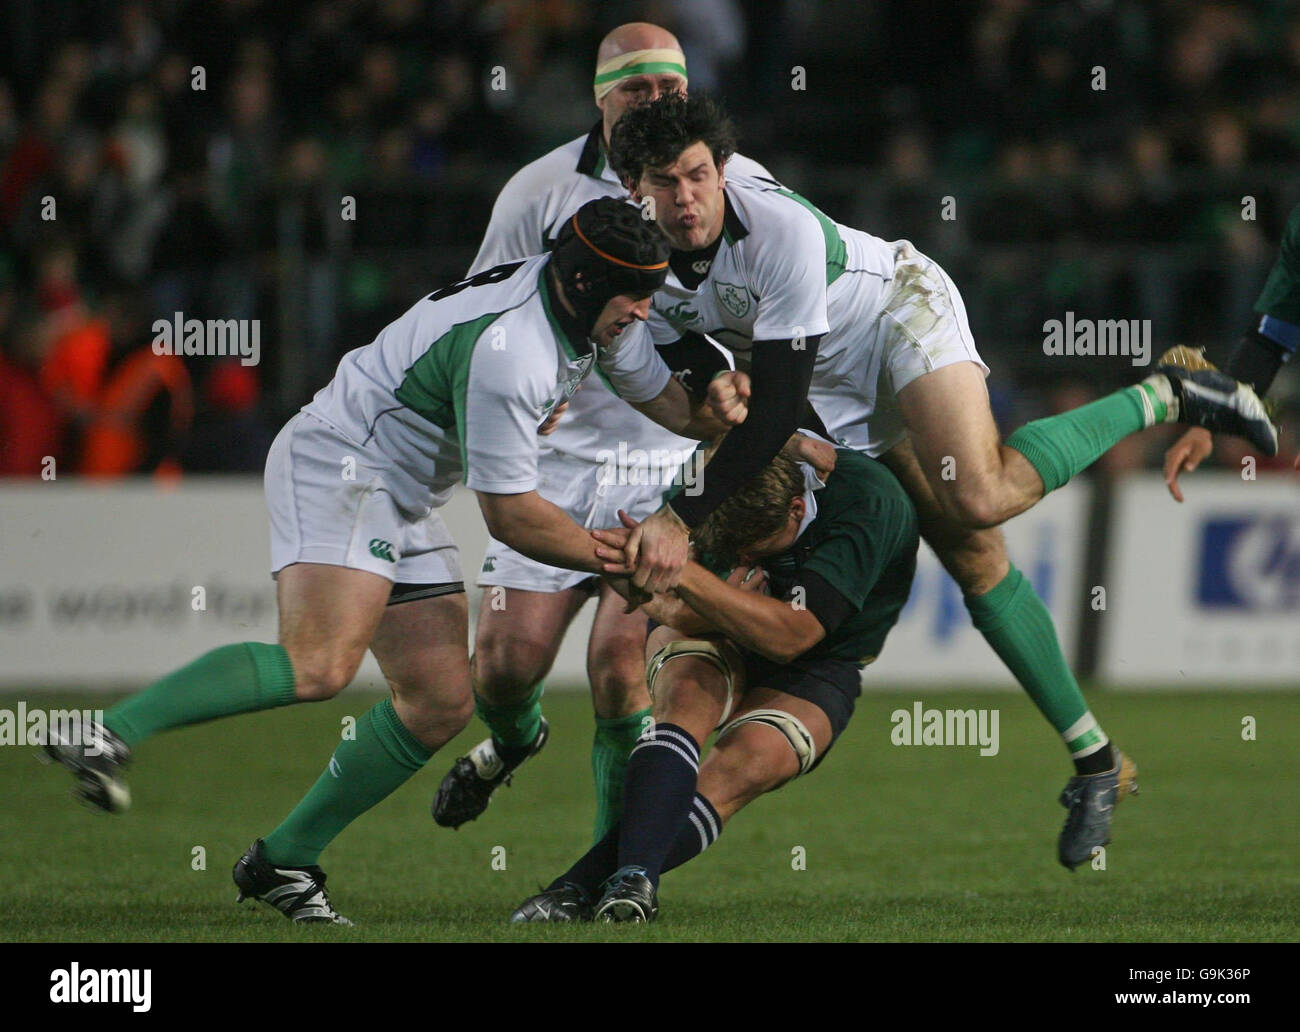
1280, 297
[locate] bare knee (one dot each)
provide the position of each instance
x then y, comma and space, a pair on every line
451, 713
434, 719
734, 785
458, 716
321, 675
686, 679
616, 670
507, 667
972, 503
745, 764
690, 693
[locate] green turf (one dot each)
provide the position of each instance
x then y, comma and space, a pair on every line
902, 843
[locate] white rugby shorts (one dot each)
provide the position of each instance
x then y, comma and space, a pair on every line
923, 327
326, 510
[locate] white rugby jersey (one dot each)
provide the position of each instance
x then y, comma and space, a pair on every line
526, 220
458, 386
784, 270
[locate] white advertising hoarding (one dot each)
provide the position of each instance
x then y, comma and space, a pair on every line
934, 641
97, 583
1206, 593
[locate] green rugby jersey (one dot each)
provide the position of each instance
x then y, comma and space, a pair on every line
1280, 297
862, 541
1281, 294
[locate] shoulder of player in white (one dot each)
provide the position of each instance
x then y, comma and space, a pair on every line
554, 170
771, 216
514, 298
741, 165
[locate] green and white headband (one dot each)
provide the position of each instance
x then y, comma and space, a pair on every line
637, 62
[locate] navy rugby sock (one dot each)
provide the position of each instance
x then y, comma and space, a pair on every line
703, 826
657, 792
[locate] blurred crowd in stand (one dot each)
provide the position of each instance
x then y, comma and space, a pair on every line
1120, 159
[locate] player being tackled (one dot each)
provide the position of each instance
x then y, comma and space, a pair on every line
763, 642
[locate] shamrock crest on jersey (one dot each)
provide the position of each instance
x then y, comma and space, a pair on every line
733, 297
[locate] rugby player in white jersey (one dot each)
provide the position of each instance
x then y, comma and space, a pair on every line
602, 457
874, 335
455, 388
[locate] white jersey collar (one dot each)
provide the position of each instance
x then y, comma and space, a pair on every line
812, 484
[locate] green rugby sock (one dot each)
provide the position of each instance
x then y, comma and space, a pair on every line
1015, 622
362, 771
1061, 446
229, 680
513, 724
610, 748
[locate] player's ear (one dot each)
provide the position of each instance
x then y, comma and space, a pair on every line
798, 508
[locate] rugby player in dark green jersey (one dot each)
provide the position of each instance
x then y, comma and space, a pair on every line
770, 656
1259, 354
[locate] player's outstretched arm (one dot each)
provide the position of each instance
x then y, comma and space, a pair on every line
530, 524
657, 550
640, 377
666, 609
1260, 352
818, 454
781, 371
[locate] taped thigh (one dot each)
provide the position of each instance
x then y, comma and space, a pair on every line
709, 651
799, 737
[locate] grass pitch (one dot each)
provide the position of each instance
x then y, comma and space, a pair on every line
901, 843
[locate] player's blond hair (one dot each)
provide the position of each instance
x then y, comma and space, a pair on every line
758, 510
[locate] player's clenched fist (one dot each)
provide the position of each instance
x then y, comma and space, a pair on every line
729, 397
657, 550
1185, 455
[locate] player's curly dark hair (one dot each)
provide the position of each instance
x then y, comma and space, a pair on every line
754, 513
655, 134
